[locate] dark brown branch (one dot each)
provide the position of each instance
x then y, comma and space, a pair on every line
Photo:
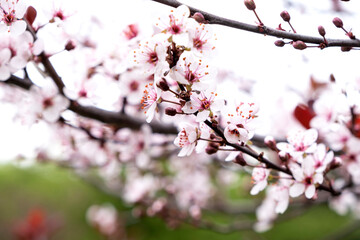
213, 19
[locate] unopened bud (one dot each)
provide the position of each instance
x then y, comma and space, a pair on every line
279, 43
30, 15
170, 111
240, 160
212, 136
163, 85
250, 4
335, 163
345, 48
214, 145
299, 45
210, 150
338, 22
199, 18
284, 156
271, 143
70, 45
321, 30
285, 16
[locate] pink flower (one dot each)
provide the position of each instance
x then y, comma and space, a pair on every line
240, 125
11, 14
104, 218
188, 137
259, 176
5, 55
48, 104
193, 71
150, 100
321, 158
300, 141
151, 55
305, 178
203, 103
201, 38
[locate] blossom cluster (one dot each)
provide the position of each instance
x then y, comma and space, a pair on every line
168, 80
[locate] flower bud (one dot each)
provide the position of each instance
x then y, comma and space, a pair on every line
335, 163
70, 45
345, 48
199, 17
163, 85
170, 111
210, 150
250, 4
214, 145
240, 160
321, 30
279, 43
30, 15
284, 156
285, 16
299, 45
338, 22
270, 143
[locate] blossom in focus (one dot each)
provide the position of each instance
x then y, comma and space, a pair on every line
204, 103
188, 137
300, 141
150, 100
305, 178
11, 14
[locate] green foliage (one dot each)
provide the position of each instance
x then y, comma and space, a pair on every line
62, 194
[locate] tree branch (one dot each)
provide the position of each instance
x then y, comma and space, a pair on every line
214, 19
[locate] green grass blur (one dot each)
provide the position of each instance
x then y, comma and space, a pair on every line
63, 195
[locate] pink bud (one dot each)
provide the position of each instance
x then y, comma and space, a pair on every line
170, 111
270, 143
163, 85
285, 16
199, 18
299, 45
279, 43
240, 160
70, 45
30, 15
338, 22
321, 30
250, 4
210, 150
345, 48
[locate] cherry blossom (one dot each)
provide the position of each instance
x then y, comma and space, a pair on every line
201, 38
11, 14
175, 24
188, 137
5, 55
149, 101
104, 218
300, 141
151, 55
193, 71
306, 178
203, 103
48, 104
259, 176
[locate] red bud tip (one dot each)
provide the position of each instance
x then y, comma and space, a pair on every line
199, 18
170, 111
279, 43
70, 45
250, 4
30, 15
163, 85
240, 160
345, 49
338, 22
321, 30
285, 16
299, 45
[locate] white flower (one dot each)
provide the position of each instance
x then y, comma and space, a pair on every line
305, 178
259, 176
11, 14
150, 100
5, 55
203, 103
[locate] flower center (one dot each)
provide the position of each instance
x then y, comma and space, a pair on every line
153, 58
47, 102
198, 43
